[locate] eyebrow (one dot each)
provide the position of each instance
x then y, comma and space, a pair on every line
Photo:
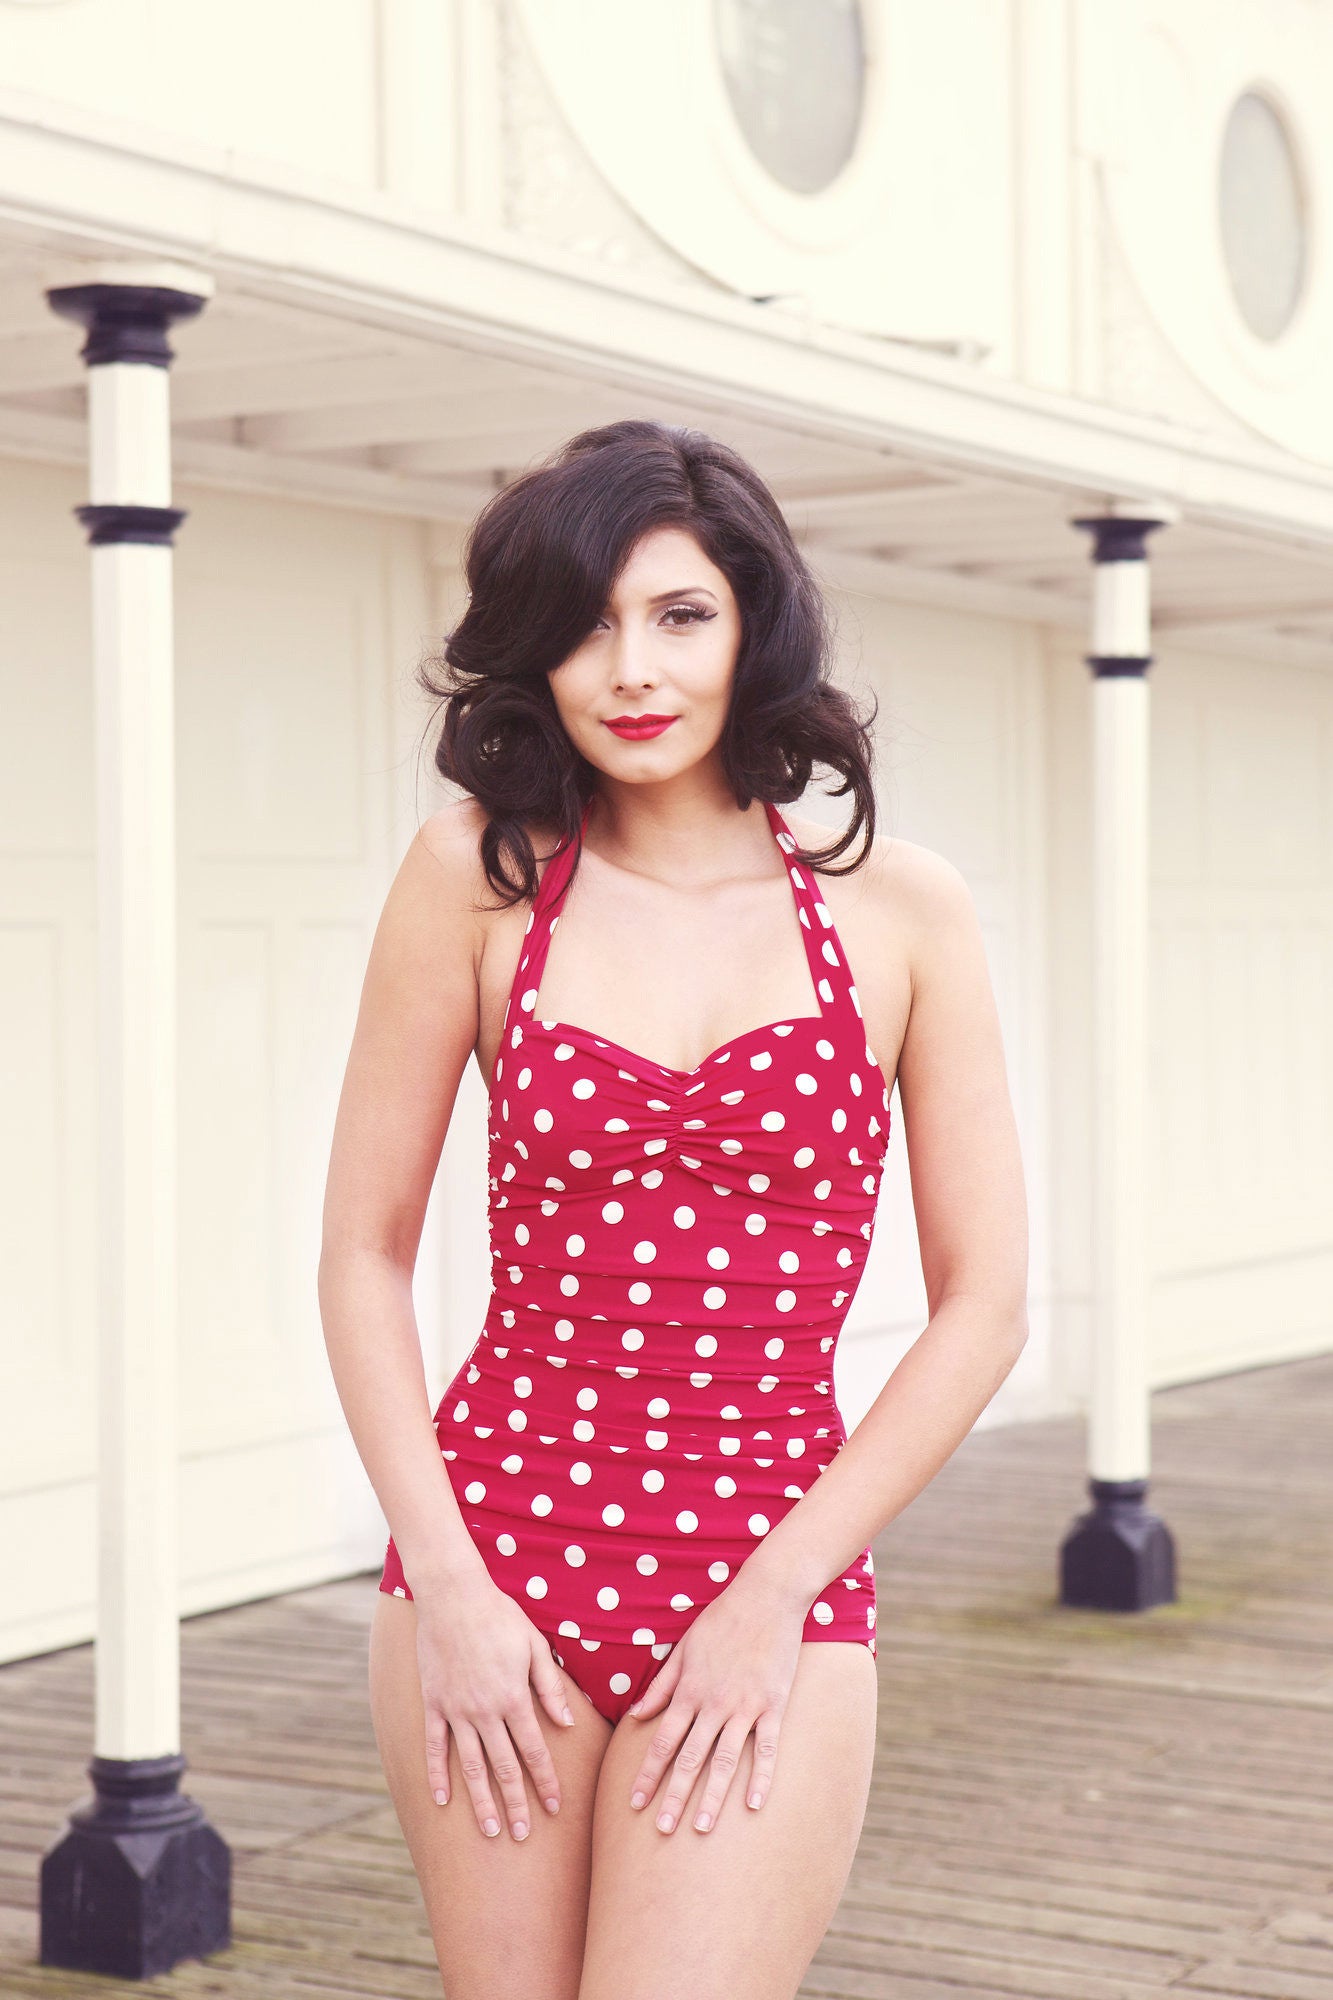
665, 596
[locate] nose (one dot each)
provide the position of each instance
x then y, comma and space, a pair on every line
631, 665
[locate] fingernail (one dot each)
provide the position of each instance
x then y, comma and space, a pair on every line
665, 1822
441, 1798
520, 1829
553, 1805
635, 1706
756, 1798
568, 1716
492, 1826
703, 1822
637, 1800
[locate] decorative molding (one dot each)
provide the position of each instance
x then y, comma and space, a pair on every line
551, 188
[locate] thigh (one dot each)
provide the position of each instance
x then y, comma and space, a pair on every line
507, 1917
738, 1911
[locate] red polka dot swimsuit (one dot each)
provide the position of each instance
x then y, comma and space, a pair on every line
673, 1254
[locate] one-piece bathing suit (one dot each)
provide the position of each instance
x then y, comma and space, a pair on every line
673, 1253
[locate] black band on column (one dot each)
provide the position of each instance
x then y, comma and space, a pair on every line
121, 522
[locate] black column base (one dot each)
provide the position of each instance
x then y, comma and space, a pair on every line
139, 1879
1118, 1556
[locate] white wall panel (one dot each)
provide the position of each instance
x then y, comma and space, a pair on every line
295, 719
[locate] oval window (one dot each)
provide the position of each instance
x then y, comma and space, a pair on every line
1262, 213
795, 76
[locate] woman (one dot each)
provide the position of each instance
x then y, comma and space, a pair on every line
622, 1660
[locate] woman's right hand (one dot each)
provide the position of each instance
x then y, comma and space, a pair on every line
480, 1658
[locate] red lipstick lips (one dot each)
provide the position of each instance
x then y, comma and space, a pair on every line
634, 727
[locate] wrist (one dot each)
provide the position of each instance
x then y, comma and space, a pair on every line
761, 1576
449, 1576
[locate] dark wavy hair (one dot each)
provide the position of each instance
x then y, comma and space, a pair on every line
541, 560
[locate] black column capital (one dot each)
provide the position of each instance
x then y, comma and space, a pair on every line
1118, 537
125, 322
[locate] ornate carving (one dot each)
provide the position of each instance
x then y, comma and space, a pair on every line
551, 188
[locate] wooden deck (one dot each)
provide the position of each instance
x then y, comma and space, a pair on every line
1066, 1804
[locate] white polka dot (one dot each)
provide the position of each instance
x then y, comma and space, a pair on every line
757, 1183
460, 1413
756, 1224
773, 1121
518, 1420
825, 1049
543, 1120
511, 1464
758, 1524
523, 1385
608, 1597
583, 1087
506, 1544
785, 1301
613, 1211
724, 1487
789, 1261
580, 1157
715, 1297
803, 1156
795, 1447
687, 1522
683, 1218
640, 1292
646, 1566
656, 1440
823, 1613
574, 1246
719, 1572
719, 1258
580, 1472
575, 1556
806, 1084
521, 1232
680, 1602
763, 1060
659, 1407
643, 1635
586, 1399
728, 1446
620, 1683
537, 1586
613, 1514
653, 1480
822, 1190
631, 1338
569, 1284
644, 1253
774, 1347
542, 1503
585, 1431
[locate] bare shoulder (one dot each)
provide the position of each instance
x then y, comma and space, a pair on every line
902, 891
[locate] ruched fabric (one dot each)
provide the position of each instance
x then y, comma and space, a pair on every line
673, 1254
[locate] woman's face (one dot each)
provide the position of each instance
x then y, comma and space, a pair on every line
665, 645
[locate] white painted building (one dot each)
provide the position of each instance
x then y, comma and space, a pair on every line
952, 277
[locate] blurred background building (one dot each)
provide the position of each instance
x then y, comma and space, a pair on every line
952, 277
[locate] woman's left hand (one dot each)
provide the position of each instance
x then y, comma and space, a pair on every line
731, 1672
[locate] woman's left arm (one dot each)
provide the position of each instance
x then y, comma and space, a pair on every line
972, 1226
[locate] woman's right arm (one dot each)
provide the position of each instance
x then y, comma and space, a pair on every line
416, 1027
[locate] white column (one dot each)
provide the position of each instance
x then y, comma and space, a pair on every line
1119, 1556
139, 1879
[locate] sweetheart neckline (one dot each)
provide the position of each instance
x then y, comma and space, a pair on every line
607, 1045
